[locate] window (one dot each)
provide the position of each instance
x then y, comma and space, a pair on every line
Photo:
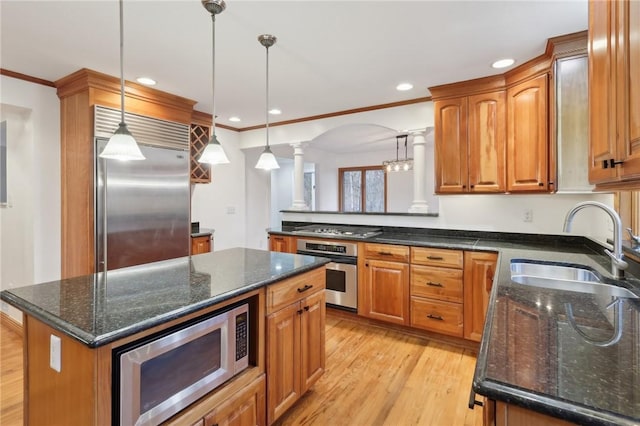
362, 189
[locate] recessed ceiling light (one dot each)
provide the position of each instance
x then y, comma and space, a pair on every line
234, 119
146, 81
275, 111
503, 63
403, 87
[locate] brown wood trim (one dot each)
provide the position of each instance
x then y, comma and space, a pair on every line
26, 77
567, 45
530, 69
204, 119
7, 321
338, 113
410, 331
468, 87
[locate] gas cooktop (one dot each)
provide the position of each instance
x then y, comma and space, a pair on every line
337, 231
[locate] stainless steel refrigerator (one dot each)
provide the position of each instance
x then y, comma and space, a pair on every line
142, 207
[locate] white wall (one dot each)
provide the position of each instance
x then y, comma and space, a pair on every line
221, 204
281, 190
30, 225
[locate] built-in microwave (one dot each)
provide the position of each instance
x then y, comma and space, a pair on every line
160, 375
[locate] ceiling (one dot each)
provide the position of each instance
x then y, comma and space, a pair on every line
330, 56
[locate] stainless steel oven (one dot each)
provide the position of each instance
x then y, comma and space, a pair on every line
160, 375
342, 272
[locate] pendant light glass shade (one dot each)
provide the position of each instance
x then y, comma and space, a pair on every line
267, 160
122, 145
213, 152
398, 164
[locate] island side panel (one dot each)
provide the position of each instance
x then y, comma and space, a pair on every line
67, 396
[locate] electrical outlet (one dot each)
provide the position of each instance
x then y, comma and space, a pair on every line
55, 353
231, 210
527, 215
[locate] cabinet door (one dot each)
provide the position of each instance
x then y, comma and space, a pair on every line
312, 355
513, 415
282, 244
527, 136
387, 287
200, 244
487, 140
283, 360
479, 269
245, 408
451, 145
602, 111
628, 91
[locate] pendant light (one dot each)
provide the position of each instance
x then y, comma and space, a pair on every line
399, 165
213, 153
122, 145
267, 160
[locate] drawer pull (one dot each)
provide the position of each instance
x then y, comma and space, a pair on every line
435, 257
385, 253
432, 284
299, 311
305, 288
435, 317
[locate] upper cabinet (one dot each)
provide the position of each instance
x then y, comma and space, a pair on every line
499, 134
614, 94
527, 136
470, 132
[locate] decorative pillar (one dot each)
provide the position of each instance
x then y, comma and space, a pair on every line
419, 204
298, 178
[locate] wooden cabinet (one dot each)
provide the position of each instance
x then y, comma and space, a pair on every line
513, 415
527, 136
282, 243
614, 94
386, 283
245, 408
201, 244
295, 339
479, 270
436, 291
470, 136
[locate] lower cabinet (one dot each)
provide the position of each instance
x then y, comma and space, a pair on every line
387, 291
295, 340
201, 244
282, 243
513, 415
245, 408
479, 270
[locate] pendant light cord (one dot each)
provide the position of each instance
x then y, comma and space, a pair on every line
213, 75
267, 106
121, 63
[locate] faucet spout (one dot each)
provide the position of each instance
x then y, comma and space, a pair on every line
618, 264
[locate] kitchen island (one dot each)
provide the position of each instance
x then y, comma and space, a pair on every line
532, 356
94, 314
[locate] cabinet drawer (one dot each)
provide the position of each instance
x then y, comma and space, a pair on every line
437, 257
386, 252
438, 316
293, 289
436, 283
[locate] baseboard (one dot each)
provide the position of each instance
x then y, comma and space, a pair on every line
7, 321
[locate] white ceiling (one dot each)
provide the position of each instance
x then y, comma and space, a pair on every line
330, 55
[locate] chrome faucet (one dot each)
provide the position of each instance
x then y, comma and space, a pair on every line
618, 265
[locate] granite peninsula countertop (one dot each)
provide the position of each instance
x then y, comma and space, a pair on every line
99, 308
531, 355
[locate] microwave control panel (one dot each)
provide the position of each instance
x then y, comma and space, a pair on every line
241, 336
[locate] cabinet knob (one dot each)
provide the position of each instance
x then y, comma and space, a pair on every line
306, 308
471, 186
540, 183
299, 311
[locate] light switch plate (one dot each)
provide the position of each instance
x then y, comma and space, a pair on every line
55, 352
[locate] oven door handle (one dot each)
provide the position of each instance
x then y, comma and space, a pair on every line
334, 258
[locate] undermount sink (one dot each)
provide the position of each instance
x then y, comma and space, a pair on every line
563, 277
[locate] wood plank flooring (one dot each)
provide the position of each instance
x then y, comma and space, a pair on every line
374, 376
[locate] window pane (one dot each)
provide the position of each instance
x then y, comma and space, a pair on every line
351, 191
375, 190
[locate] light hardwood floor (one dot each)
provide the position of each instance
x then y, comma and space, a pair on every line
374, 376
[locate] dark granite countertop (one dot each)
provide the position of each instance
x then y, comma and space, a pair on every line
99, 308
530, 353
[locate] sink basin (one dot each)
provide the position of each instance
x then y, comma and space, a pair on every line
564, 277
